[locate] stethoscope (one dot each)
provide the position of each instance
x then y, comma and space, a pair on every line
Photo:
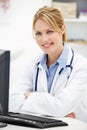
61, 70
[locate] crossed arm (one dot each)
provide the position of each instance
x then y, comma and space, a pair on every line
71, 115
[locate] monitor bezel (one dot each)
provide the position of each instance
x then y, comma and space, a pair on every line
4, 84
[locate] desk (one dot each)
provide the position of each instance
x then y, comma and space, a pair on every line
73, 125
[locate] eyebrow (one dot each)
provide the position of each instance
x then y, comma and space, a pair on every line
45, 30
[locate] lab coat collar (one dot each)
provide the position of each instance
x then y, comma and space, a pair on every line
70, 55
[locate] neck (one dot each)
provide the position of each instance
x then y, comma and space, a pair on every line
53, 57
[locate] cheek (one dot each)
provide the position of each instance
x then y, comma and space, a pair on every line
37, 41
57, 37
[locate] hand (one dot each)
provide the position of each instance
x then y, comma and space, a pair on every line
72, 115
27, 94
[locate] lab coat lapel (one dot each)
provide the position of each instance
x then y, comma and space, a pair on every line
42, 81
58, 80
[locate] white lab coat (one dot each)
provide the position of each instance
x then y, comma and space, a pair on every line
66, 96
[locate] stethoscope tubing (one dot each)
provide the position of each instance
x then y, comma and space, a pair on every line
70, 65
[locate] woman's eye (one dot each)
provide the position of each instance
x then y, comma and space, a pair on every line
49, 32
37, 33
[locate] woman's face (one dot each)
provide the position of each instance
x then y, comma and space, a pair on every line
49, 40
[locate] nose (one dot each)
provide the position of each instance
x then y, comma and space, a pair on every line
45, 38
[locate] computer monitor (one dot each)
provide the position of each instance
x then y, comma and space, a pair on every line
4, 80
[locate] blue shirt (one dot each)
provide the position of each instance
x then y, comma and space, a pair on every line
50, 72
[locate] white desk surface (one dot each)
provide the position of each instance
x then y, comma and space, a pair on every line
73, 125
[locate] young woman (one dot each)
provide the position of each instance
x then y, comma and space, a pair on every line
56, 82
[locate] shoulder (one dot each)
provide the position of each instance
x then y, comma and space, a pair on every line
80, 60
31, 62
80, 67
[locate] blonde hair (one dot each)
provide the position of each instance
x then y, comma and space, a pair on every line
52, 16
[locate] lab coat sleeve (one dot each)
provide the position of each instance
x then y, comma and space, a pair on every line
24, 84
61, 103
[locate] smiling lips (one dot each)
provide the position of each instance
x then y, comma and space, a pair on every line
47, 45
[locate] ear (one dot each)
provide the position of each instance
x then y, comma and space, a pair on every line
63, 28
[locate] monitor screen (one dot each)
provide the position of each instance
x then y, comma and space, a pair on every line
4, 80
